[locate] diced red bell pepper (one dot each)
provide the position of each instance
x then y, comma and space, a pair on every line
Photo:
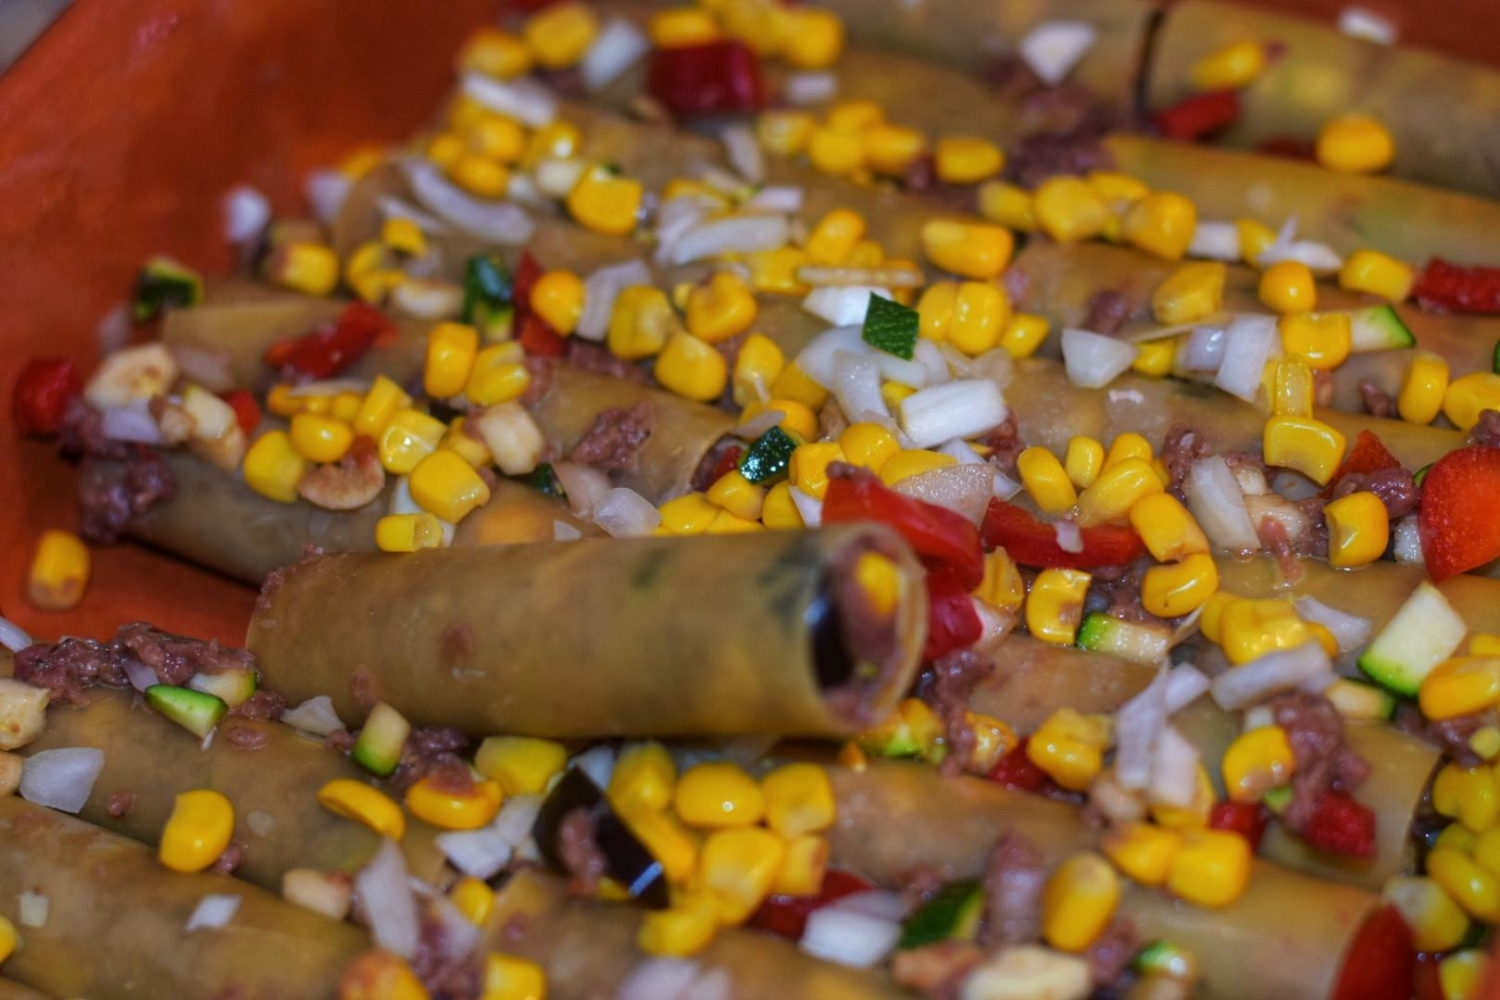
952, 622
1201, 116
528, 270
537, 338
1381, 963
1428, 985
1453, 288
42, 395
1341, 825
1458, 526
1368, 456
943, 538
1015, 770
713, 78
1034, 543
246, 409
331, 351
786, 916
729, 460
1248, 819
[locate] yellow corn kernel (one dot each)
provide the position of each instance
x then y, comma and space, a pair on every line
775, 271
880, 580
1474, 888
1179, 588
1484, 644
495, 53
692, 368
1193, 816
682, 27
1055, 605
450, 810
380, 404
689, 514
802, 870
496, 138
1374, 273
1458, 837
894, 392
935, 308
969, 249
558, 36
725, 523
1309, 446
1210, 868
1256, 762
1210, 621
1292, 388
835, 236
281, 402
408, 532
668, 840
606, 203
1470, 396
273, 467
509, 978
1251, 628
1142, 851
1323, 340
779, 512
197, 831
1079, 902
1024, 334
311, 268
756, 366
912, 462
718, 794
450, 357
1288, 286
808, 470
1423, 388
345, 406
320, 439
795, 384
1117, 489
1161, 223
1484, 848
1189, 293
1118, 191
1255, 238
1358, 529
785, 133
644, 778
1070, 746
964, 159
480, 176
59, 571
1469, 795
869, 446
1010, 206
1355, 144
498, 375
1461, 975
736, 869
380, 975
738, 495
811, 39
1128, 445
557, 297
409, 436
404, 236
522, 765
1461, 685
1002, 586
980, 314
836, 152
641, 323
1169, 531
1069, 210
1230, 68
446, 149
474, 899
8, 938
1155, 357
1046, 480
799, 800
721, 308
892, 149
1082, 462
559, 140
855, 116
1436, 921
680, 930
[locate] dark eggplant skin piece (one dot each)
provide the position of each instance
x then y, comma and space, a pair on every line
627, 860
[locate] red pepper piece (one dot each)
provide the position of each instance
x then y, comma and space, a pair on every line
713, 78
952, 622
1428, 985
786, 916
1380, 963
1016, 771
729, 460
537, 338
42, 395
331, 351
1341, 825
1368, 456
1034, 543
1453, 288
1248, 819
1458, 525
528, 270
246, 410
941, 537
1198, 117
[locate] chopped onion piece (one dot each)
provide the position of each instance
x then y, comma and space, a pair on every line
1138, 727
1093, 360
132, 422
675, 219
598, 762
1006, 487
856, 384
777, 198
1408, 544
1282, 670
211, 369
624, 513
562, 531
819, 360
386, 898
849, 938
1069, 536
878, 903
959, 449
1360, 22
842, 305
1053, 48
525, 100
12, 636
736, 234
962, 408
601, 289
809, 507
1218, 505
1249, 341
517, 817
1204, 349
139, 674
247, 212
1185, 685
744, 153
213, 910
1351, 631
326, 191
583, 485
1174, 772
392, 207
963, 489
714, 984
810, 88
931, 357
1215, 241
496, 221
32, 908
659, 979
994, 625
556, 177
61, 779
480, 853
315, 715
618, 46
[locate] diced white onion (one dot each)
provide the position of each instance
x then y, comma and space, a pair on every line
132, 422
517, 817
211, 369
598, 762
1052, 49
618, 46
819, 359
12, 636
994, 625
962, 408
932, 359
878, 903
744, 153
247, 212
389, 905
61, 779
1185, 685
480, 853
1351, 631
1408, 544
848, 938
1249, 341
527, 101
1006, 487
1215, 241
326, 191
584, 486
1174, 772
32, 908
428, 298
659, 979
140, 675
810, 88
213, 910
714, 984
496, 221
777, 198
562, 531
959, 449
809, 507
675, 219
842, 305
556, 176
1319, 257
1282, 670
1360, 22
1069, 536
963, 489
600, 290
1204, 349
1216, 502
1093, 360
315, 715
739, 234
392, 207
1138, 727
856, 384
624, 513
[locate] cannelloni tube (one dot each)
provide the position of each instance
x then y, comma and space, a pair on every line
115, 922
12, 990
631, 637
588, 948
1287, 936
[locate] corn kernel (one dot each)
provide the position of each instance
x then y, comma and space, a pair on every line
795, 384
273, 467
1358, 529
799, 800
1082, 461
606, 203
480, 175
1070, 746
738, 495
404, 236
380, 975
558, 36
1079, 902
1117, 191
1230, 68
1323, 340
679, 930
855, 116
779, 512
812, 39
935, 309
1255, 238
1161, 223
689, 514
509, 978
409, 436
1008, 205
836, 152
558, 140
980, 314
1189, 293
320, 439
445, 150
306, 267
1436, 921
1069, 210
1024, 334
1423, 388
1460, 686
1469, 795
1461, 975
557, 297
446, 809
408, 532
718, 794
1117, 489
1169, 531
450, 357
868, 446
474, 899
808, 470
1484, 848
802, 870
1251, 628
59, 571
963, 159
380, 404
1055, 605
756, 366
1469, 396
736, 868
668, 840
1193, 816
1309, 446
692, 368
969, 249
1374, 273
498, 375
1179, 588
1256, 762
197, 832
644, 778
682, 27
641, 323
1210, 868
892, 149
1155, 357
775, 271
1046, 480
495, 53
522, 765
1458, 837
725, 523
1128, 445
1355, 144
1142, 851
720, 309
1472, 887
1291, 388
1288, 286
785, 133
913, 462
894, 393
835, 236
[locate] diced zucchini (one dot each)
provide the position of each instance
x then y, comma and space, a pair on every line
165, 284
1378, 328
768, 457
1360, 701
1277, 799
953, 914
891, 327
1138, 641
1422, 633
1420, 475
195, 711
488, 294
1164, 957
232, 686
378, 748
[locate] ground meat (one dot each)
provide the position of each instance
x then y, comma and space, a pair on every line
433, 753
1110, 954
82, 433
1486, 433
1183, 446
580, 853
120, 804
364, 688
176, 658
1108, 313
1314, 541
922, 176
230, 860
707, 472
540, 370
832, 421
1315, 731
264, 704
1005, 445
615, 436
947, 687
590, 357
1118, 593
339, 741
936, 970
1014, 878
1376, 401
1074, 148
1395, 487
246, 737
1449, 735
110, 500
447, 976
1322, 386
69, 668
